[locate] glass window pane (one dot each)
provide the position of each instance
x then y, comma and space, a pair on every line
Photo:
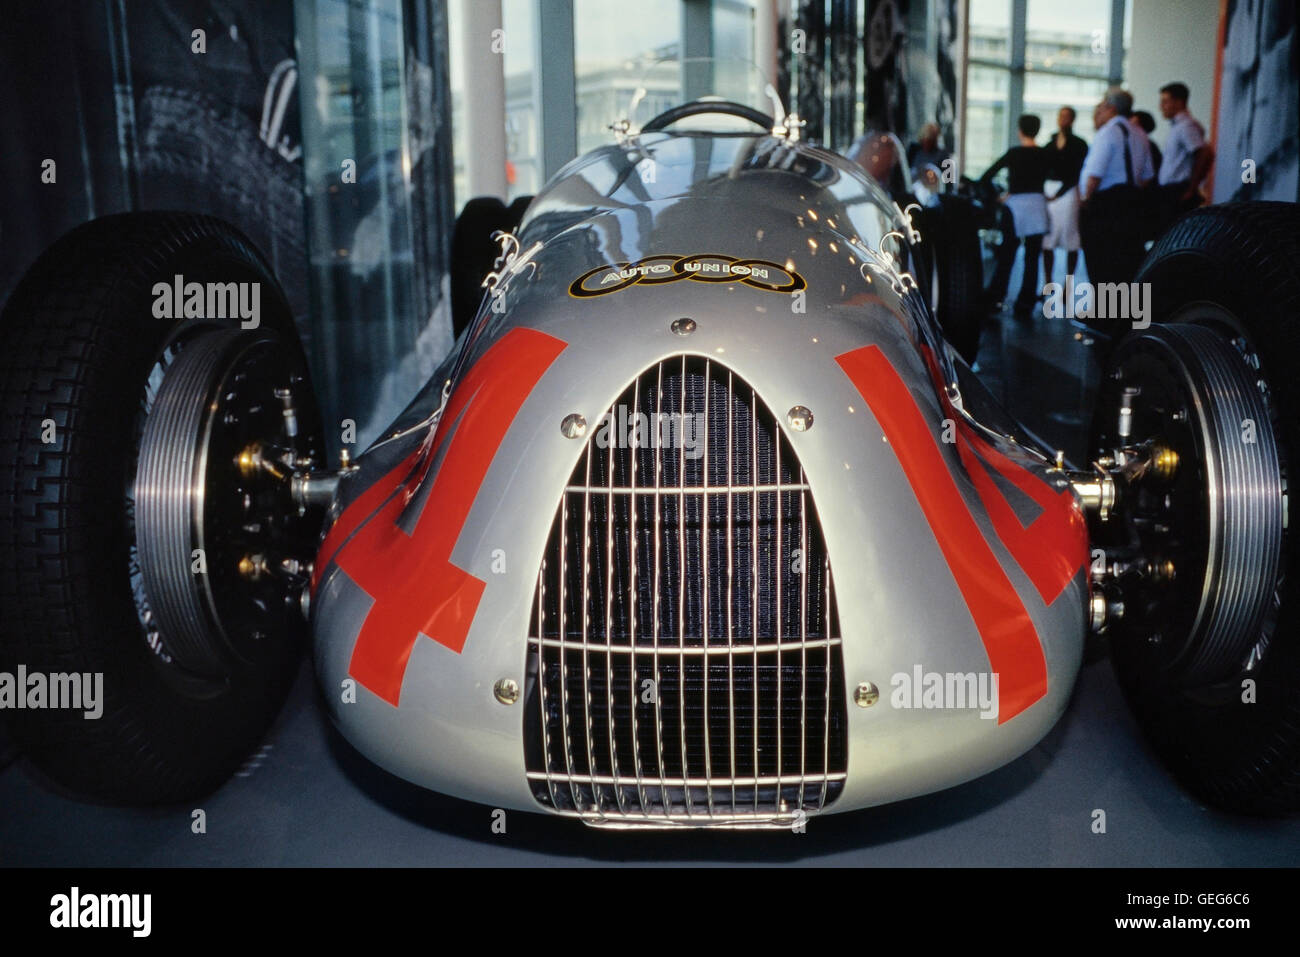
733, 41
990, 30
1072, 36
523, 174
363, 318
733, 29
986, 117
456, 74
523, 170
607, 47
1045, 94
1128, 35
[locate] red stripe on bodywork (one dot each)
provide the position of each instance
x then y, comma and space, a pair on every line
415, 587
1054, 546
357, 512
1004, 626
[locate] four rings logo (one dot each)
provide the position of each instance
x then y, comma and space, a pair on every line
702, 267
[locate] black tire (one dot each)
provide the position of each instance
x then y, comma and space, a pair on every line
955, 273
81, 340
474, 252
1243, 757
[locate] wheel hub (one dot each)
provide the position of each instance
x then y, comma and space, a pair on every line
223, 549
1199, 528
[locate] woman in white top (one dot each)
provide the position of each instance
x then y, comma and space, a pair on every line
1027, 167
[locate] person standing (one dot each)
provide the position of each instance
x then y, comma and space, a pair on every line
881, 155
1147, 124
1027, 169
926, 151
1065, 152
1118, 165
1187, 156
1153, 224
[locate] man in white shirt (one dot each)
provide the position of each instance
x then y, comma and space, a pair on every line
1116, 169
1108, 164
1187, 154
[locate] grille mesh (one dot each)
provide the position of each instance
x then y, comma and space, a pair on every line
684, 649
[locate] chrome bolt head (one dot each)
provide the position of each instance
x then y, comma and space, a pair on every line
683, 326
1098, 611
800, 418
866, 694
574, 426
506, 691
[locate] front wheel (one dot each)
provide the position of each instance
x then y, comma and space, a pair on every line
1208, 650
151, 560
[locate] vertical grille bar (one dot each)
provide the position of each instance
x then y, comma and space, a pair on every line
658, 592
803, 641
585, 612
778, 567
754, 479
609, 606
564, 658
541, 685
704, 604
731, 631
826, 720
681, 608
699, 589
633, 680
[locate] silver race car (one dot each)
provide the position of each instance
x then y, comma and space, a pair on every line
702, 523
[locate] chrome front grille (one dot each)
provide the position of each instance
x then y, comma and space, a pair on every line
684, 649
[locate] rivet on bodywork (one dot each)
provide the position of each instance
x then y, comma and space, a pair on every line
683, 326
865, 695
574, 426
506, 690
800, 419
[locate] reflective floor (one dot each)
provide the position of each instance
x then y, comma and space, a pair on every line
1043, 370
308, 799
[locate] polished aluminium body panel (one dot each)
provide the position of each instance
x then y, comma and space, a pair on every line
900, 608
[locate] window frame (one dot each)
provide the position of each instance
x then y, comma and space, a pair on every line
1016, 70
